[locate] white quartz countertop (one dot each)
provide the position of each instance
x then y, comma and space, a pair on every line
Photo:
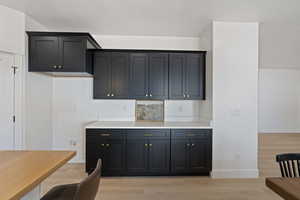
149, 125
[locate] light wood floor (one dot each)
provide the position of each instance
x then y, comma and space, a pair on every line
189, 188
269, 145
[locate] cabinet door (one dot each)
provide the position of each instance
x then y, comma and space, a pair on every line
95, 151
139, 75
136, 156
120, 75
159, 156
44, 53
177, 76
199, 155
195, 73
158, 76
102, 75
73, 54
91, 156
179, 156
115, 157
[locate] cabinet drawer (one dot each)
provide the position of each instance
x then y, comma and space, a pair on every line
191, 133
148, 133
94, 135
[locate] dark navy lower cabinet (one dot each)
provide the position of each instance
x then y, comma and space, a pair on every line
149, 152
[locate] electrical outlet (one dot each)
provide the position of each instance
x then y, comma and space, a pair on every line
180, 109
73, 143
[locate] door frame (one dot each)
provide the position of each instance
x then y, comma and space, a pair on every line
19, 100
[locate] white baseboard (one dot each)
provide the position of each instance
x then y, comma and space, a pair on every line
76, 161
235, 173
278, 131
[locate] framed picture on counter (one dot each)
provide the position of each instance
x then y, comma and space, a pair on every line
149, 110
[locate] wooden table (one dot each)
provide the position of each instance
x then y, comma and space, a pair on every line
23, 171
287, 188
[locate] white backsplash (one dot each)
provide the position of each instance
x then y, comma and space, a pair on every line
74, 107
73, 97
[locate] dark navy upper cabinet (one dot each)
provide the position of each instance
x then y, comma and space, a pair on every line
111, 75
177, 76
119, 75
149, 75
195, 76
139, 65
102, 75
158, 76
72, 53
43, 53
187, 76
58, 52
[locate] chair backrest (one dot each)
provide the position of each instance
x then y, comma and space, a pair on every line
88, 188
289, 164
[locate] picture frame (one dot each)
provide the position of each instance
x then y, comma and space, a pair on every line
149, 110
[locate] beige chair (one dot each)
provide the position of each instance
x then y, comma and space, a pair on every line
86, 190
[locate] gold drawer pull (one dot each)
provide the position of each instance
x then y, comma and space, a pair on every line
105, 134
107, 145
146, 145
148, 134
102, 145
150, 145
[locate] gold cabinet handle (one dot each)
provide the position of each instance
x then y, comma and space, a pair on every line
103, 145
105, 134
150, 145
107, 145
146, 145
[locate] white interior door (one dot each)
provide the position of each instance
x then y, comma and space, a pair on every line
7, 135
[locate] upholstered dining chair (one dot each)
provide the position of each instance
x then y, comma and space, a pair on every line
85, 190
289, 164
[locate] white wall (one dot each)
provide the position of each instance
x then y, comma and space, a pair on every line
279, 45
74, 107
279, 100
279, 107
39, 93
235, 79
12, 34
206, 43
148, 42
12, 30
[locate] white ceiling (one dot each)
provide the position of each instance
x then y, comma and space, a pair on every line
152, 17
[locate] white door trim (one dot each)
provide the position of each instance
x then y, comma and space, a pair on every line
19, 102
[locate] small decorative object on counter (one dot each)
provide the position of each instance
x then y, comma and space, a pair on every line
151, 110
